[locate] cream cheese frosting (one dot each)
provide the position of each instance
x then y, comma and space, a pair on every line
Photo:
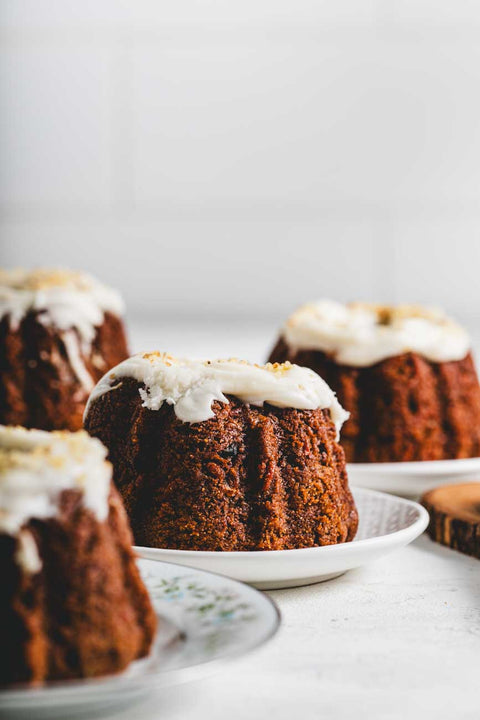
362, 334
191, 386
35, 467
66, 300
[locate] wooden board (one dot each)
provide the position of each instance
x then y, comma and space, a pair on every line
455, 516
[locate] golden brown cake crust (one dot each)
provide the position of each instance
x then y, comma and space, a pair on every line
87, 612
404, 408
39, 387
250, 478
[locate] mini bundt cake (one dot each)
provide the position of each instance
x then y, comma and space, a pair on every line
224, 455
72, 603
405, 374
60, 331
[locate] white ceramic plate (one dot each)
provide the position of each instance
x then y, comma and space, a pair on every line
386, 523
205, 620
412, 479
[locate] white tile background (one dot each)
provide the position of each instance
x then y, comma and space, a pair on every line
219, 160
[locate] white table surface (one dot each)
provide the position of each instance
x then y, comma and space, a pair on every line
399, 638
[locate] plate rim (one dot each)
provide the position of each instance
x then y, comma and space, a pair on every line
426, 467
423, 518
104, 683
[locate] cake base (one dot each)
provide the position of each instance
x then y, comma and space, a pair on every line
249, 478
402, 409
85, 611
42, 386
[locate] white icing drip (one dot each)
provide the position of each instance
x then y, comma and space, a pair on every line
70, 341
191, 386
27, 556
64, 300
362, 334
36, 466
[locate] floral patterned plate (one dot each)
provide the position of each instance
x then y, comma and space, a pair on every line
385, 524
204, 621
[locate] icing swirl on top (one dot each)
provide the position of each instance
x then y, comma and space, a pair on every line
35, 467
362, 334
191, 386
63, 299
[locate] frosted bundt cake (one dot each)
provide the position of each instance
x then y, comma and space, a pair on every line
405, 373
224, 455
60, 331
72, 603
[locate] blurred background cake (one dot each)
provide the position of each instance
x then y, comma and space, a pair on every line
405, 373
60, 331
72, 603
224, 455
